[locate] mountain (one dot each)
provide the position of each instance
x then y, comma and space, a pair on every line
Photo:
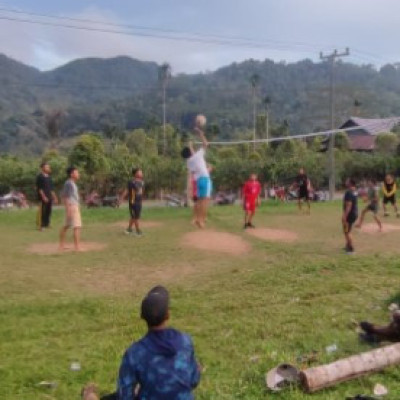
124, 93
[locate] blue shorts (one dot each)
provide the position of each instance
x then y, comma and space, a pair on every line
204, 187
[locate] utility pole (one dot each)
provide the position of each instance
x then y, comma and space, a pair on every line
331, 58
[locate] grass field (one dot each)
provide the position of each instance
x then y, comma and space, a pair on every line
246, 313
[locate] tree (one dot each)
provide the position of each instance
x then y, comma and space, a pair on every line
164, 75
386, 143
254, 81
89, 156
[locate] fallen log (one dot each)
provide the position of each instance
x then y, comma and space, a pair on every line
314, 379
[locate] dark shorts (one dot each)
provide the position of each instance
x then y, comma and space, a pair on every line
350, 222
373, 207
390, 199
194, 198
135, 211
303, 193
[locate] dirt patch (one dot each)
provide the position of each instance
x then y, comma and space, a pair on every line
52, 248
273, 235
143, 224
216, 241
373, 228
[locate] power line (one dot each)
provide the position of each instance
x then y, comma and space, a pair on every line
163, 30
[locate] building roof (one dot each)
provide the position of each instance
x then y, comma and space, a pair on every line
362, 142
371, 126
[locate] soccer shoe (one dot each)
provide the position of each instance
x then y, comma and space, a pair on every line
139, 233
250, 225
128, 232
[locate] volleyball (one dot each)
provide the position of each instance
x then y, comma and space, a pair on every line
201, 121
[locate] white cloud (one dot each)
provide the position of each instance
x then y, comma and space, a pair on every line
367, 26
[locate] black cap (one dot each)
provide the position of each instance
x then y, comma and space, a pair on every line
155, 306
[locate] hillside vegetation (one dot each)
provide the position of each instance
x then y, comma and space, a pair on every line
122, 93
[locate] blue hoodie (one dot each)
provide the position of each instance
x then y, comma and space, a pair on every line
163, 364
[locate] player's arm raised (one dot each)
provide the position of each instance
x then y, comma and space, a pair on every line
202, 136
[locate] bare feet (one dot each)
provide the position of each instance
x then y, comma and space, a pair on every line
200, 224
90, 392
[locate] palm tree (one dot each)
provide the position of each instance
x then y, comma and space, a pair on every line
255, 81
267, 103
164, 75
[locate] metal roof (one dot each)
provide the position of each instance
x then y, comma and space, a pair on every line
371, 126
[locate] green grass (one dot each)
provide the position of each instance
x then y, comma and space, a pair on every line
277, 302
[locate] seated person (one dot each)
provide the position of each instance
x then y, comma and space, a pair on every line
161, 365
389, 333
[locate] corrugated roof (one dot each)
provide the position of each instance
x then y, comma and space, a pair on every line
372, 126
362, 142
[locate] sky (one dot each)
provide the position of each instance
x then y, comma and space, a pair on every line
226, 31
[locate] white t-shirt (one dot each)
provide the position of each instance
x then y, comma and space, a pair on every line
197, 164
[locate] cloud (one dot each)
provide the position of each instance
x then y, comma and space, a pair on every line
291, 29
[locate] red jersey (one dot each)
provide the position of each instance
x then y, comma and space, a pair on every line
251, 190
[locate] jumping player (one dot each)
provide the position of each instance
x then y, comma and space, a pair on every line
389, 194
70, 196
303, 187
135, 197
46, 196
251, 199
350, 213
197, 165
373, 205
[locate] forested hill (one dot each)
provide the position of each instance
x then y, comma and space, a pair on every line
124, 93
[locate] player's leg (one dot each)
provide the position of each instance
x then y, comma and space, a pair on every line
138, 212
250, 223
384, 203
131, 220
195, 213
378, 221
299, 205
50, 211
77, 225
46, 214
307, 199
63, 231
77, 238
362, 216
39, 216
348, 238
349, 242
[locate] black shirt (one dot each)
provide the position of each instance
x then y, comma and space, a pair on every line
44, 183
135, 191
302, 181
350, 196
